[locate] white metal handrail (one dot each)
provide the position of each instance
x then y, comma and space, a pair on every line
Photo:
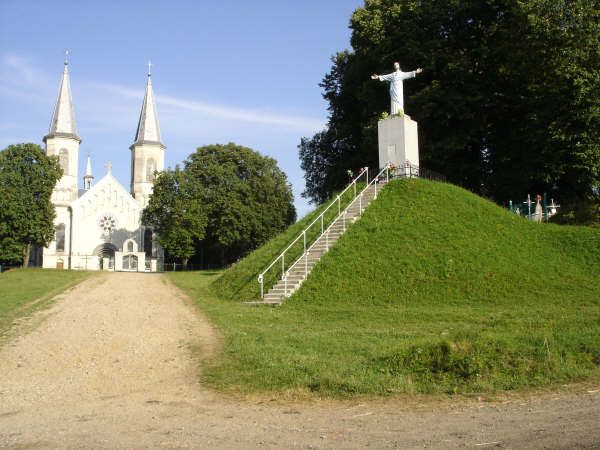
364, 172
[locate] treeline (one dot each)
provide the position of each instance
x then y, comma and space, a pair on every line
226, 201
508, 103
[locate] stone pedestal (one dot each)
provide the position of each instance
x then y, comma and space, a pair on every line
398, 141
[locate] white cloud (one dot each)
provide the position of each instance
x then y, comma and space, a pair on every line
21, 79
20, 71
19, 68
223, 111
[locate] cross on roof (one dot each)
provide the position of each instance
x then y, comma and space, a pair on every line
66, 57
149, 68
108, 166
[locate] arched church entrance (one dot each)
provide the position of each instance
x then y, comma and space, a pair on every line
130, 262
106, 254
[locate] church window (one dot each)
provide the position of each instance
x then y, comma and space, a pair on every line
139, 174
148, 243
60, 238
107, 222
63, 158
130, 246
150, 169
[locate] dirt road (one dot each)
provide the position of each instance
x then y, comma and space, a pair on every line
111, 366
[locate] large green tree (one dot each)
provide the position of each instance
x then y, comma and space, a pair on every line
27, 178
507, 104
248, 197
176, 213
226, 201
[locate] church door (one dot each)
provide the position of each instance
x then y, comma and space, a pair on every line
106, 255
130, 262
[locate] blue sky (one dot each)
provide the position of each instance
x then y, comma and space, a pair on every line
239, 71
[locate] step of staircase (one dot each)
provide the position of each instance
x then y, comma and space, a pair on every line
298, 272
264, 303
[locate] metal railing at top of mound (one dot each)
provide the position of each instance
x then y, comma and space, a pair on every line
320, 226
409, 170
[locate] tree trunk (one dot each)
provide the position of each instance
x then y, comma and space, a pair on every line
184, 261
26, 251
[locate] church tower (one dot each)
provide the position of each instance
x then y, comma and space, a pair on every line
147, 150
62, 141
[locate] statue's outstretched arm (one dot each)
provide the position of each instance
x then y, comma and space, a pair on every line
406, 75
388, 77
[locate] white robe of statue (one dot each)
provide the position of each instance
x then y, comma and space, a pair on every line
396, 79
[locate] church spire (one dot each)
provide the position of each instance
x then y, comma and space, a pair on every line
88, 178
148, 130
63, 119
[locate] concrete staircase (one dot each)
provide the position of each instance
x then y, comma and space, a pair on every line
299, 271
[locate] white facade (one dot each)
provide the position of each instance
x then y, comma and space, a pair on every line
99, 227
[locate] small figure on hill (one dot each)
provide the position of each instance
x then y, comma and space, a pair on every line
539, 211
396, 88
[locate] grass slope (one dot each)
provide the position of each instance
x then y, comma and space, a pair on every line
433, 290
23, 291
239, 282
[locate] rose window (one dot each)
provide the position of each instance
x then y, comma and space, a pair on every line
107, 222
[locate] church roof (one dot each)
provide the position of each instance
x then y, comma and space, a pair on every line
148, 130
63, 119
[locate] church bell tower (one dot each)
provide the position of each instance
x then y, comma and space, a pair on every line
147, 150
62, 141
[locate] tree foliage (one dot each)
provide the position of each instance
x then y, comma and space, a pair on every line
27, 179
176, 213
243, 197
507, 103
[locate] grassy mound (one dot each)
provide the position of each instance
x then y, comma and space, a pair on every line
433, 290
239, 282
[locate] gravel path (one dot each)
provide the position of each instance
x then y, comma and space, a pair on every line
111, 366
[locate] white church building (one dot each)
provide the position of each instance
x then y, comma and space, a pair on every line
99, 227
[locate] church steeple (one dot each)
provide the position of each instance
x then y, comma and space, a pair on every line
63, 119
148, 130
88, 178
147, 150
62, 141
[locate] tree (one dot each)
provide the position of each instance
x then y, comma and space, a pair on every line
507, 103
27, 179
247, 197
226, 201
175, 212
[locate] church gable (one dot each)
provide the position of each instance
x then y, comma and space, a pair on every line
109, 196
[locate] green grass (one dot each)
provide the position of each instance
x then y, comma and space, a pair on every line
23, 291
240, 281
434, 290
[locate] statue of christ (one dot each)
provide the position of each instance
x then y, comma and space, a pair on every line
396, 90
